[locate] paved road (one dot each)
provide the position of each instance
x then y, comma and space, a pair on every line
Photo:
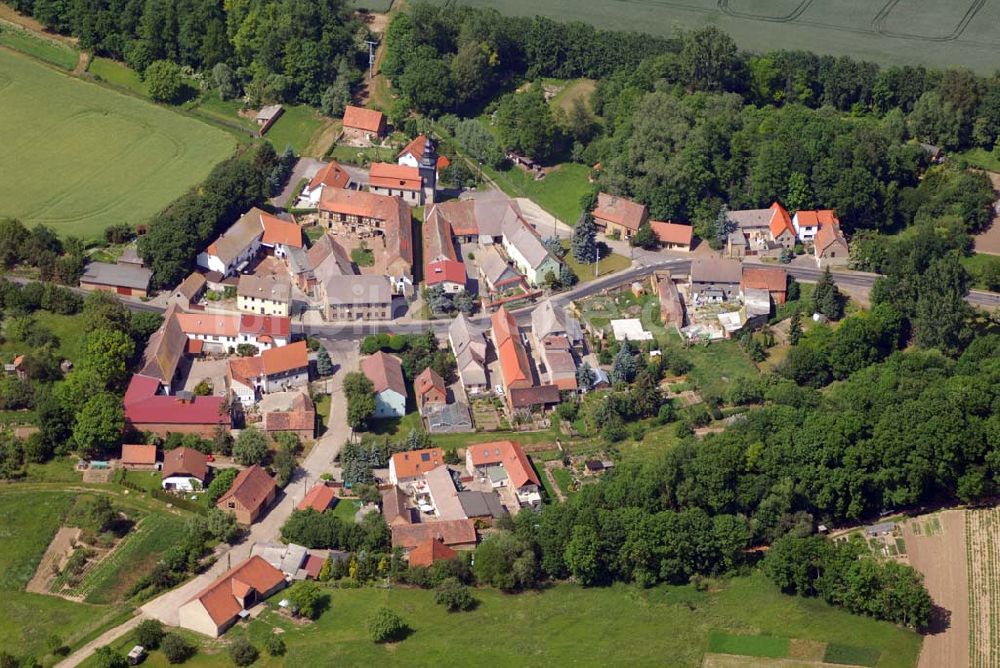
344, 356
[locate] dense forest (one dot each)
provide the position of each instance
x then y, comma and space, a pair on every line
278, 50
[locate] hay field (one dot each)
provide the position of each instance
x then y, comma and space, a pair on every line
931, 32
79, 157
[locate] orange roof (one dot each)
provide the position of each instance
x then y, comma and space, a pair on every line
510, 455
826, 236
251, 488
619, 210
429, 551
368, 120
672, 233
319, 498
514, 363
285, 358
780, 221
428, 380
444, 271
449, 532
816, 218
331, 174
139, 454
220, 598
412, 463
771, 279
278, 231
416, 149
209, 324
504, 325
391, 175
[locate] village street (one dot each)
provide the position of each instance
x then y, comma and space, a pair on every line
344, 355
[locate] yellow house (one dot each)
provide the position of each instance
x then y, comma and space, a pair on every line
264, 295
617, 214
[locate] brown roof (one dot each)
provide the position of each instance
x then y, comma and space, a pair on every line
412, 463
191, 286
285, 358
164, 349
827, 235
430, 551
672, 233
220, 597
510, 455
273, 287
619, 210
385, 372
716, 270
451, 532
391, 175
528, 397
301, 416
368, 120
250, 488
185, 462
427, 380
319, 498
392, 211
332, 174
142, 455
395, 506
772, 279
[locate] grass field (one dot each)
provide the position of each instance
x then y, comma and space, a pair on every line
79, 157
565, 626
931, 32
559, 192
976, 264
297, 127
606, 265
66, 327
29, 43
30, 519
117, 74
978, 157
748, 645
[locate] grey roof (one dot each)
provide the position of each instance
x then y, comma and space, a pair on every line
465, 336
238, 237
716, 270
481, 504
268, 112
442, 488
191, 286
493, 214
272, 287
117, 275
298, 261
164, 349
448, 417
330, 263
751, 218
560, 364
521, 236
547, 320
359, 290
470, 370
738, 238
494, 267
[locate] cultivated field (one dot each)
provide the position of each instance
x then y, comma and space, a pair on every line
79, 157
932, 32
982, 532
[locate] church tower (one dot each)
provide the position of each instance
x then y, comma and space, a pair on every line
428, 171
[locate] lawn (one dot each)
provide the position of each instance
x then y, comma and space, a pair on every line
559, 192
297, 127
564, 625
928, 32
119, 159
979, 157
36, 46
606, 265
117, 74
572, 90
976, 264
748, 645
363, 257
30, 519
67, 328
361, 157
564, 479
214, 108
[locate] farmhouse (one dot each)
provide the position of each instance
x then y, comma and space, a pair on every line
397, 181
146, 410
221, 331
715, 280
357, 298
396, 507
233, 250
515, 369
558, 360
525, 249
363, 124
189, 291
182, 466
407, 467
251, 492
469, 345
412, 152
808, 223
163, 352
673, 236
772, 279
536, 399
280, 236
138, 457
450, 275
291, 412
428, 552
429, 388
619, 215
548, 321
456, 534
331, 175
671, 308
124, 279
274, 370
496, 271
364, 215
220, 605
505, 464
386, 374
763, 232
264, 294
830, 247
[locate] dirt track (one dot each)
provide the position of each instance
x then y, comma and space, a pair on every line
942, 560
55, 555
989, 241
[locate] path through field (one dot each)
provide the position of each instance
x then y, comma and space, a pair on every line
941, 557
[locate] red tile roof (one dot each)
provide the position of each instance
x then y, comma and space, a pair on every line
508, 453
428, 380
285, 358
780, 221
331, 174
672, 233
412, 463
827, 235
220, 598
514, 365
139, 455
209, 324
368, 120
445, 271
385, 372
251, 488
451, 532
619, 210
266, 325
313, 565
771, 279
144, 407
185, 462
429, 551
278, 231
319, 498
416, 149
816, 218
391, 175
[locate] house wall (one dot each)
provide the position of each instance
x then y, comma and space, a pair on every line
411, 197
669, 245
623, 232
837, 255
433, 396
381, 311
193, 616
730, 289
262, 306
290, 379
362, 135
786, 239
139, 467
451, 288
182, 483
247, 396
128, 292
390, 403
162, 429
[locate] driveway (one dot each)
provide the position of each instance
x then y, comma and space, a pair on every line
344, 356
305, 168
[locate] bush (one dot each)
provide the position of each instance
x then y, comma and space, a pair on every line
454, 596
176, 648
149, 633
385, 626
274, 645
242, 652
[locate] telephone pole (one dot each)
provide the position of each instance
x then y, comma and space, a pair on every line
371, 57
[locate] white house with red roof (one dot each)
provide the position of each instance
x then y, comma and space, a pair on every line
807, 223
504, 464
449, 274
412, 152
330, 175
222, 331
274, 370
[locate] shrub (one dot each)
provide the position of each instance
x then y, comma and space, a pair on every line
149, 633
274, 645
176, 648
454, 596
385, 626
242, 652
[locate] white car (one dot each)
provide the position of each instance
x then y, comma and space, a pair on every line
499, 390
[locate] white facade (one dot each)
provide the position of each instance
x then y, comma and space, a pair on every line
805, 233
181, 483
212, 262
246, 395
221, 342
389, 404
411, 197
262, 305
